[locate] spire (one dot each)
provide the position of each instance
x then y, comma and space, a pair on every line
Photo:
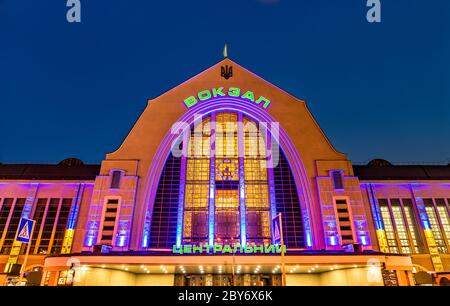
225, 50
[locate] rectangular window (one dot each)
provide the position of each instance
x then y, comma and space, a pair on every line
345, 225
4, 213
338, 180
115, 179
412, 223
38, 217
444, 216
402, 233
434, 224
48, 226
13, 225
388, 226
61, 226
109, 221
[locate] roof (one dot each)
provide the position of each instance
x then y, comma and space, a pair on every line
383, 170
69, 169
72, 169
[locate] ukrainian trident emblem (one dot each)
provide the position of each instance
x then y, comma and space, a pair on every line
226, 72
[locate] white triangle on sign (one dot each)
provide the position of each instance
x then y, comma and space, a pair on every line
277, 232
25, 232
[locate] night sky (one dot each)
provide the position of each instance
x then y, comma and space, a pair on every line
75, 90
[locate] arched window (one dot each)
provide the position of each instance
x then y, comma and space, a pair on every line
224, 190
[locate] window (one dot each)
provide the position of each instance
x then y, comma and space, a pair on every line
388, 226
61, 225
256, 184
444, 217
109, 221
115, 179
4, 213
164, 219
337, 180
13, 225
196, 197
47, 230
400, 226
39, 218
216, 185
434, 225
412, 223
345, 225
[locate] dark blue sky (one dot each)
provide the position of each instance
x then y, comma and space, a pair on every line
377, 90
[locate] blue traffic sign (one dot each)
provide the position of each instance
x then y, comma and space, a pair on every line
25, 230
276, 226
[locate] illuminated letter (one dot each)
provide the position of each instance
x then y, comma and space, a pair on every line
177, 250
249, 95
262, 99
258, 248
269, 249
74, 13
374, 14
237, 246
227, 249
191, 101
234, 92
218, 92
208, 248
187, 249
248, 249
281, 249
217, 248
197, 248
204, 95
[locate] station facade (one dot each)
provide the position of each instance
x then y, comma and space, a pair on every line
190, 196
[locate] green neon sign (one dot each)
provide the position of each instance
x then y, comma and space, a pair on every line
235, 92
228, 249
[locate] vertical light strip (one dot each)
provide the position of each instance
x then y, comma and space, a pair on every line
29, 203
270, 176
72, 222
375, 209
212, 179
241, 154
378, 221
185, 144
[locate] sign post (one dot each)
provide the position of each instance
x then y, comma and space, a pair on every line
277, 226
24, 234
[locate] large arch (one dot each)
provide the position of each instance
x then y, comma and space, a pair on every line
249, 109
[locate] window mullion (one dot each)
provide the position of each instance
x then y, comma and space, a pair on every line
212, 180
241, 154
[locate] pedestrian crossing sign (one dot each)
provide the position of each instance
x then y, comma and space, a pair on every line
25, 230
276, 225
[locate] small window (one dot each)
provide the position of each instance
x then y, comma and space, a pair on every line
337, 180
115, 180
